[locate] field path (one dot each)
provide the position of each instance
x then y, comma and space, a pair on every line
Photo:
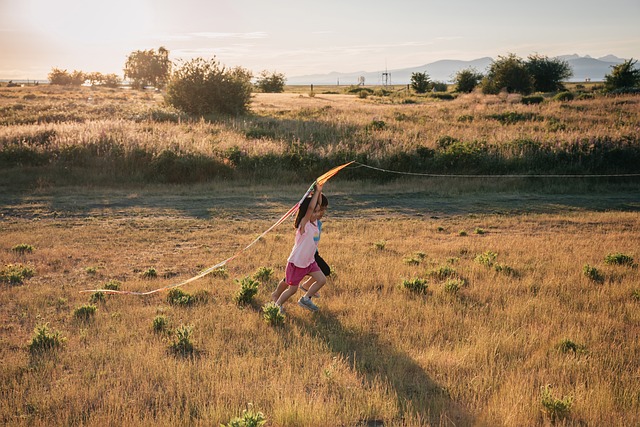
251, 202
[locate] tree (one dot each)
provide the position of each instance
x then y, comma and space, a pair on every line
510, 73
466, 80
64, 78
204, 86
623, 76
420, 82
270, 82
148, 68
548, 74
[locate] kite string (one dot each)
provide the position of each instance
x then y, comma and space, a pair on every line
436, 175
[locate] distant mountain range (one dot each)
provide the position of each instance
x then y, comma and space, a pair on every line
584, 67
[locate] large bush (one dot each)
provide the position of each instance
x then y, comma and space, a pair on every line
510, 73
202, 87
148, 68
466, 80
548, 73
622, 77
270, 82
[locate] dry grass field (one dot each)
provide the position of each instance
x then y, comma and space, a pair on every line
452, 302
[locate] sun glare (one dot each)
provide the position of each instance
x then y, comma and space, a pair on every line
88, 23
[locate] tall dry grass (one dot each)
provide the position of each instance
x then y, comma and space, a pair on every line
374, 355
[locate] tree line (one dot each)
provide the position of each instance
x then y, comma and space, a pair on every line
200, 86
537, 73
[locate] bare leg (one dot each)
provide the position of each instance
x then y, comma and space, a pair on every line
305, 286
282, 286
288, 293
319, 281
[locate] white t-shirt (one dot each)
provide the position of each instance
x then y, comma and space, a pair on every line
305, 247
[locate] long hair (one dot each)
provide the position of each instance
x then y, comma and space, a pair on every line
304, 206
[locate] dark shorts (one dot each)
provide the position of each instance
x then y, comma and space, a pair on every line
324, 267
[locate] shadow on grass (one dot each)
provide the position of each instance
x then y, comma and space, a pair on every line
374, 358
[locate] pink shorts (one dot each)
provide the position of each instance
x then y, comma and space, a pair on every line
294, 275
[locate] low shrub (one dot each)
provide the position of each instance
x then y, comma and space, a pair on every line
22, 249
45, 340
16, 274
272, 315
567, 346
176, 296
487, 259
182, 344
263, 274
442, 272
563, 96
248, 289
150, 274
85, 312
532, 99
249, 418
556, 409
618, 259
593, 274
160, 324
416, 286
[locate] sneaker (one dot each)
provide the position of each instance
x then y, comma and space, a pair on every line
306, 302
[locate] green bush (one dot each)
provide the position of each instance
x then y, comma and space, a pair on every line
45, 340
592, 273
182, 344
176, 296
567, 346
556, 409
263, 274
160, 324
151, 273
97, 297
272, 315
532, 99
85, 312
618, 259
15, 274
248, 289
23, 248
205, 87
452, 286
563, 96
249, 419
416, 286
442, 272
487, 259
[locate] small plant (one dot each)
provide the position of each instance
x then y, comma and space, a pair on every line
415, 259
221, 273
150, 274
636, 294
160, 324
264, 274
452, 286
23, 248
563, 96
532, 99
479, 231
182, 344
592, 274
97, 297
618, 259
45, 340
91, 270
462, 233
248, 289
377, 124
85, 312
15, 274
380, 245
416, 286
249, 419
440, 229
178, 297
201, 296
487, 259
567, 346
442, 272
555, 409
272, 315
112, 285
505, 269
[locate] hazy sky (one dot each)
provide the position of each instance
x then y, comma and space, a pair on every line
304, 37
